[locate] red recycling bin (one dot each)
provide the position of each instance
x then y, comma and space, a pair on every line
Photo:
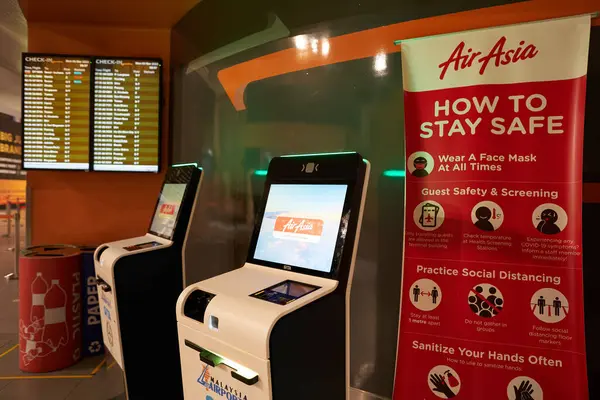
49, 308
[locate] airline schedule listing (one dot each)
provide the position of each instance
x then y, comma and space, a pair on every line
56, 116
126, 115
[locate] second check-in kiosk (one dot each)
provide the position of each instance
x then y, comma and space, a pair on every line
140, 280
278, 328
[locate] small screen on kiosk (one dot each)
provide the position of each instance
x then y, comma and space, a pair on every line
141, 246
284, 292
167, 210
300, 225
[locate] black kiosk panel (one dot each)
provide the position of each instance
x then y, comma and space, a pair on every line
341, 177
147, 286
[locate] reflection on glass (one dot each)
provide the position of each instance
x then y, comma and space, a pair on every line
301, 42
380, 63
325, 47
348, 106
314, 45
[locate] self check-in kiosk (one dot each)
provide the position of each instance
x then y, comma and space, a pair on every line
278, 328
140, 280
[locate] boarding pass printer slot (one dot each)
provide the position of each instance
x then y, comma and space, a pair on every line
238, 372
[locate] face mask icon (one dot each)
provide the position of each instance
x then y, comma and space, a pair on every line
429, 213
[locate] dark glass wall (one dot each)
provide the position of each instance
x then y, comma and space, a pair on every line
352, 105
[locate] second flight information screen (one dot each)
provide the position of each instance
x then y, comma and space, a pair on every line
56, 116
126, 120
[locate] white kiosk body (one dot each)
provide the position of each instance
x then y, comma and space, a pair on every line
278, 328
139, 280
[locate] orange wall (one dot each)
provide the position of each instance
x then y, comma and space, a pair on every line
92, 208
12, 190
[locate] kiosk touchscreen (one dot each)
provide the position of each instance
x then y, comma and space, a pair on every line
278, 327
139, 280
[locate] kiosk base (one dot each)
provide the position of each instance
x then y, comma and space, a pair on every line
308, 352
147, 324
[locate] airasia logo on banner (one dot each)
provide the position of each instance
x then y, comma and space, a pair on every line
461, 59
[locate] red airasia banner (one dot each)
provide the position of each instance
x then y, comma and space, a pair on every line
492, 293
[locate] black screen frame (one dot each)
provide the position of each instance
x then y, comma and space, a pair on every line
169, 180
90, 105
160, 112
340, 241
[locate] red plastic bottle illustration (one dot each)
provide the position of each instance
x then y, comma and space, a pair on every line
39, 287
27, 347
55, 322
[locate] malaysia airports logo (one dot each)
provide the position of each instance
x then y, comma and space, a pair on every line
219, 388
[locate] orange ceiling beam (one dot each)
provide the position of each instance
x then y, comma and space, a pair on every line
153, 14
371, 42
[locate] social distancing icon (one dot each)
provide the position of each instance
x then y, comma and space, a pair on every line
486, 300
549, 305
425, 294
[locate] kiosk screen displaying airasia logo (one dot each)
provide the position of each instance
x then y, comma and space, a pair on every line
167, 209
300, 225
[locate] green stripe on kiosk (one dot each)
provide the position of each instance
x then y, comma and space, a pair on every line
139, 281
278, 327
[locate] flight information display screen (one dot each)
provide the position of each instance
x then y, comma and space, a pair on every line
300, 225
126, 120
167, 210
56, 112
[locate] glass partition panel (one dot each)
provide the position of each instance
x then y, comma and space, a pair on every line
289, 81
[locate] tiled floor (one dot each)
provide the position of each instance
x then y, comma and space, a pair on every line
91, 379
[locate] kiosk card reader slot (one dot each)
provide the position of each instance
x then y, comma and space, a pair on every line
139, 281
278, 327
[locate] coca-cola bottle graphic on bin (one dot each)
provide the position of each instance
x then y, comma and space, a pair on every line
55, 317
39, 287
